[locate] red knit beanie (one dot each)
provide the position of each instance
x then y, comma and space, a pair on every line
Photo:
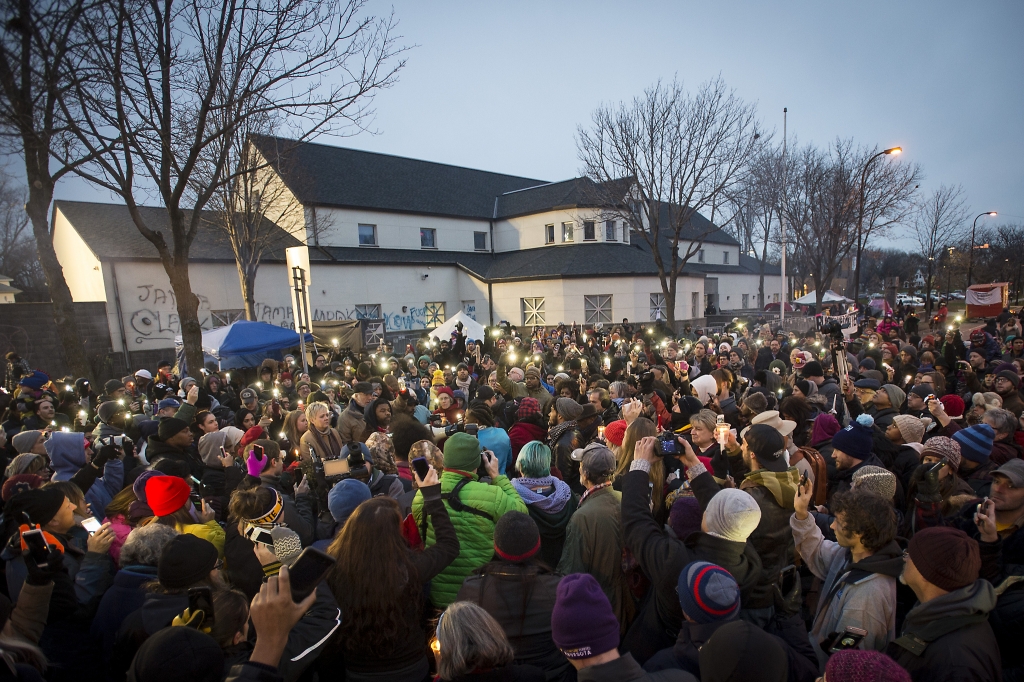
946, 557
614, 432
166, 494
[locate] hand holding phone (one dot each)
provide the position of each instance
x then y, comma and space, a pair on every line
421, 466
200, 599
308, 570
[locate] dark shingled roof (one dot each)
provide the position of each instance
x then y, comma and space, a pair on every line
322, 175
549, 197
110, 232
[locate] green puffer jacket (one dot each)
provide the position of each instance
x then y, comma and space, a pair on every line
475, 533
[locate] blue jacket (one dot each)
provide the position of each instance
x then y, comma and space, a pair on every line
497, 441
124, 596
67, 453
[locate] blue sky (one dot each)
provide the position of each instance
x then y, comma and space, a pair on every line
503, 86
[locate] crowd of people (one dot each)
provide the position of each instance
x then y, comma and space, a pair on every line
610, 502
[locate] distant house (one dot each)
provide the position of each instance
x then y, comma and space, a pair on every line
408, 241
7, 292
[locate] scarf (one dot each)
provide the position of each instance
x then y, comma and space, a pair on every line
590, 491
552, 503
464, 385
556, 432
328, 447
782, 484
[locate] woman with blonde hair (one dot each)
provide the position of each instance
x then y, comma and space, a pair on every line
295, 426
641, 428
320, 438
470, 640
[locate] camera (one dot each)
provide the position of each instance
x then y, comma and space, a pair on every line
436, 419
452, 429
123, 442
667, 445
834, 330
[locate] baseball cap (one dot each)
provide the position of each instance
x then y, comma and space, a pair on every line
247, 395
1013, 470
596, 459
872, 384
144, 373
167, 402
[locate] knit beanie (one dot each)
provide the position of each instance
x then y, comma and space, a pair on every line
567, 408
185, 560
438, 378
20, 483
139, 486
462, 452
708, 593
178, 653
107, 410
777, 365
739, 651
856, 440
169, 427
1011, 376
911, 427
953, 405
26, 440
854, 665
41, 505
287, 545
940, 446
825, 427
946, 557
166, 494
813, 369
615, 432
583, 624
896, 395
533, 371
877, 480
976, 442
344, 497
909, 350
732, 515
685, 516
516, 537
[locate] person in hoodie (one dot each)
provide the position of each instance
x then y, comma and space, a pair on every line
852, 449
858, 571
138, 566
69, 452
905, 433
549, 501
887, 401
730, 516
531, 424
947, 636
342, 500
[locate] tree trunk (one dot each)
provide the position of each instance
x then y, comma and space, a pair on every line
247, 280
40, 196
760, 281
928, 292
670, 304
188, 313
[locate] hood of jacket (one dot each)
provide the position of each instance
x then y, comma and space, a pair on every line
929, 621
886, 561
552, 524
159, 610
782, 484
67, 453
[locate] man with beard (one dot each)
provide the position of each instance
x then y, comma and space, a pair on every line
563, 438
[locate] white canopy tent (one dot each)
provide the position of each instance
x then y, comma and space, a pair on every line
828, 297
470, 327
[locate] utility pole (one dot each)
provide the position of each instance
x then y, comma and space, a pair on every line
782, 221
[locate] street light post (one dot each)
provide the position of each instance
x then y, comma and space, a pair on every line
949, 271
970, 257
893, 151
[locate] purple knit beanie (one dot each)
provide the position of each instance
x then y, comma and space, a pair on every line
825, 427
853, 665
583, 624
685, 516
139, 486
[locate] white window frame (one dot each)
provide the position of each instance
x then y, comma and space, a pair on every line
359, 235
549, 233
368, 311
433, 315
533, 311
657, 302
609, 231
433, 233
570, 229
597, 309
480, 248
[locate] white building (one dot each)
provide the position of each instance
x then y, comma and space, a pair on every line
7, 292
408, 241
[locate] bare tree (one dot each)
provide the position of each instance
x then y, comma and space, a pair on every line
178, 81
820, 217
38, 44
759, 200
659, 161
18, 258
939, 223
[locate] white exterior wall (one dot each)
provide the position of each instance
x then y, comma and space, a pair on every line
528, 232
81, 266
714, 254
732, 287
340, 227
563, 299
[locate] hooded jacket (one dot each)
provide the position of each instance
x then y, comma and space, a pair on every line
949, 638
475, 531
67, 454
860, 594
773, 539
663, 558
551, 509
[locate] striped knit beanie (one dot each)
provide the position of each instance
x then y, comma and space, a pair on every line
976, 442
708, 593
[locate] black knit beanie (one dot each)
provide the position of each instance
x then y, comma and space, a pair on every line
185, 561
178, 653
516, 537
170, 427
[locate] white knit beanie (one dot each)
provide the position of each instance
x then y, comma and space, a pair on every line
732, 515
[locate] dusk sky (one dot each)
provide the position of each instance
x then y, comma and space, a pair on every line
503, 87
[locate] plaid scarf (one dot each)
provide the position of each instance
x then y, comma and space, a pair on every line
558, 431
782, 485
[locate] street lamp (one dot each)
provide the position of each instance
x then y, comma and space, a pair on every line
970, 259
949, 271
892, 151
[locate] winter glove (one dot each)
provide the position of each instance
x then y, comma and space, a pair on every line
106, 453
43, 575
927, 478
255, 465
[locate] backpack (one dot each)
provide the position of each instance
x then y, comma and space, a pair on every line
818, 468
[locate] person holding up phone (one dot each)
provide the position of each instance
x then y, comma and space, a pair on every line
935, 490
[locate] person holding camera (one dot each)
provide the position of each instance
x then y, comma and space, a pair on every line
474, 507
859, 570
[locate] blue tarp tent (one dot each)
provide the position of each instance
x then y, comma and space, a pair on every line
243, 344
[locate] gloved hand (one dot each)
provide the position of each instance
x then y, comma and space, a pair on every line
927, 478
43, 575
192, 619
106, 453
255, 465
